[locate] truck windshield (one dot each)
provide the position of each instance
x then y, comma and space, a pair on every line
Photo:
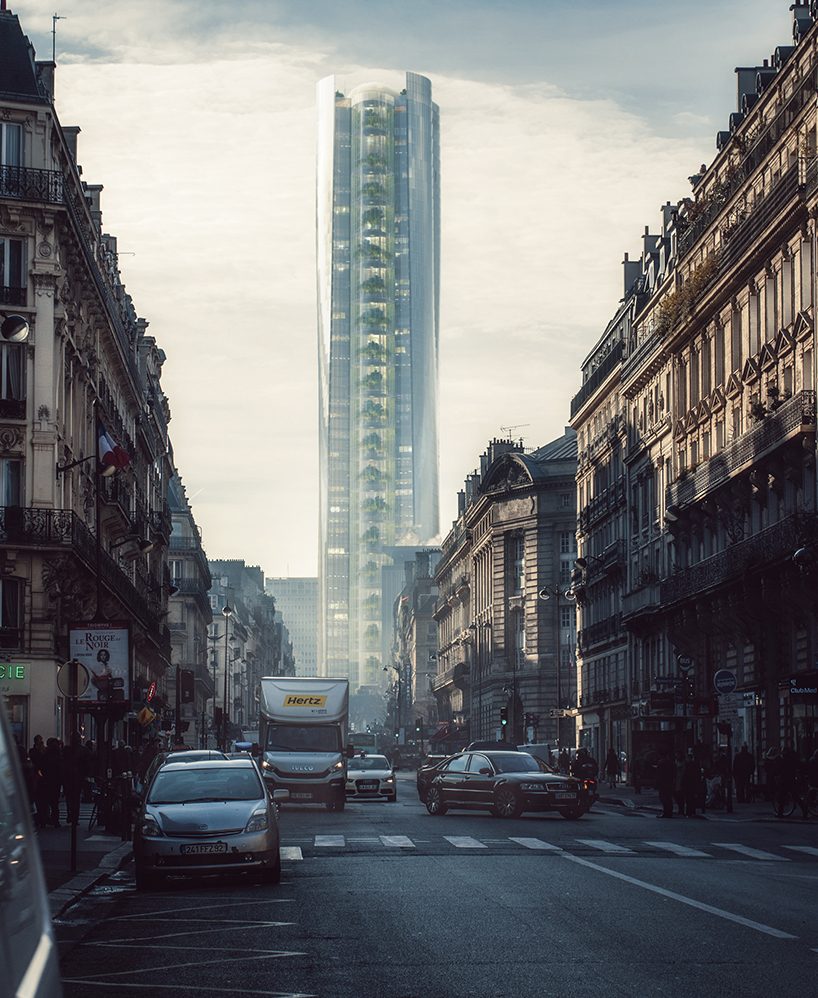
303, 738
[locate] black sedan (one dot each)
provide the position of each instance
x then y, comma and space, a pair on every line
427, 772
505, 783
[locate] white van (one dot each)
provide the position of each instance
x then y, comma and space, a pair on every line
28, 954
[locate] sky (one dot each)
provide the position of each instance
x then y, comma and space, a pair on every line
564, 126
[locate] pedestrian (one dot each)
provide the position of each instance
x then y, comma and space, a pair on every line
744, 766
678, 782
612, 767
691, 784
665, 778
147, 757
52, 781
36, 757
90, 766
564, 762
73, 777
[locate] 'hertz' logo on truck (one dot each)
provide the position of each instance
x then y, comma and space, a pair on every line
299, 700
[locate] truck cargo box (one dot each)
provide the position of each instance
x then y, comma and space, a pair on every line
296, 699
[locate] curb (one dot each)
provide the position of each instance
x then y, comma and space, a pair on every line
61, 898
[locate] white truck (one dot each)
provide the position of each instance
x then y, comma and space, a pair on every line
302, 738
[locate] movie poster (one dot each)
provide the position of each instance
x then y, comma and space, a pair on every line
104, 650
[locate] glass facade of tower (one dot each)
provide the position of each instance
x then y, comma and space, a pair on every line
378, 239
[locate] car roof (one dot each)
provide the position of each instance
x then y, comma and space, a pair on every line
196, 754
215, 763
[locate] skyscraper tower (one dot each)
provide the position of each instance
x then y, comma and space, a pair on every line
378, 258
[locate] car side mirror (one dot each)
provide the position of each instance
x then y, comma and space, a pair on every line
255, 750
279, 796
485, 771
395, 769
350, 751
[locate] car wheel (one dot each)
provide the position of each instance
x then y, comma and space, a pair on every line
571, 813
435, 804
507, 804
145, 881
272, 874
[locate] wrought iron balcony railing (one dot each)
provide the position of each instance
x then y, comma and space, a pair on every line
603, 631
767, 546
23, 183
61, 528
13, 296
595, 379
608, 501
795, 415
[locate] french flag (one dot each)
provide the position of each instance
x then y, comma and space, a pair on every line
112, 457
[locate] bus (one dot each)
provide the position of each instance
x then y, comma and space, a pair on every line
363, 741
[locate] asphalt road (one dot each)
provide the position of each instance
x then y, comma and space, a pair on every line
385, 901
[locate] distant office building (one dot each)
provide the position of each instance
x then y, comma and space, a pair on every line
378, 237
297, 601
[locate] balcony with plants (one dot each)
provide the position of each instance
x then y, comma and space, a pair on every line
777, 422
373, 414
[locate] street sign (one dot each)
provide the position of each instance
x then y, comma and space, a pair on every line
685, 663
724, 681
729, 704
64, 679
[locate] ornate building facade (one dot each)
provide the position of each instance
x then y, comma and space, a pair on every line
74, 546
704, 408
505, 611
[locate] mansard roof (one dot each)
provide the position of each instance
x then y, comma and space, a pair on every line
18, 72
514, 469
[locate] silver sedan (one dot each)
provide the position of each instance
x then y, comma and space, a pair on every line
370, 777
207, 817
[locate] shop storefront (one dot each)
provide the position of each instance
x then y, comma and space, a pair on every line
15, 689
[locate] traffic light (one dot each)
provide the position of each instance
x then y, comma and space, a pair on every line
186, 682
419, 726
503, 716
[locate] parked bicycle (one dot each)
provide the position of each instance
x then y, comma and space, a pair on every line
112, 805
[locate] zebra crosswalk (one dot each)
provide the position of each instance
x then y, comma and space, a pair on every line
299, 849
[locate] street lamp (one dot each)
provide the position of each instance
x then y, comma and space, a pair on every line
227, 613
553, 592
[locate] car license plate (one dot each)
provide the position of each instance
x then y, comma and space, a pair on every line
203, 847
301, 796
566, 796
367, 786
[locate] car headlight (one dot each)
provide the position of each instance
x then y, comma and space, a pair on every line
338, 765
257, 822
149, 829
265, 764
531, 786
389, 779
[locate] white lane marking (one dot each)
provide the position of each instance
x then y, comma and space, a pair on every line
676, 848
217, 926
402, 841
536, 844
807, 850
329, 840
603, 846
748, 851
199, 987
269, 955
464, 842
290, 852
160, 913
681, 898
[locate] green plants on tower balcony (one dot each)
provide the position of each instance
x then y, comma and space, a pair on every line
373, 284
371, 474
374, 353
374, 413
373, 381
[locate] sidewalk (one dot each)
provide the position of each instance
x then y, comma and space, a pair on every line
98, 854
648, 800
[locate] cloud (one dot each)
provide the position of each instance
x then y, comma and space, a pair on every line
203, 134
